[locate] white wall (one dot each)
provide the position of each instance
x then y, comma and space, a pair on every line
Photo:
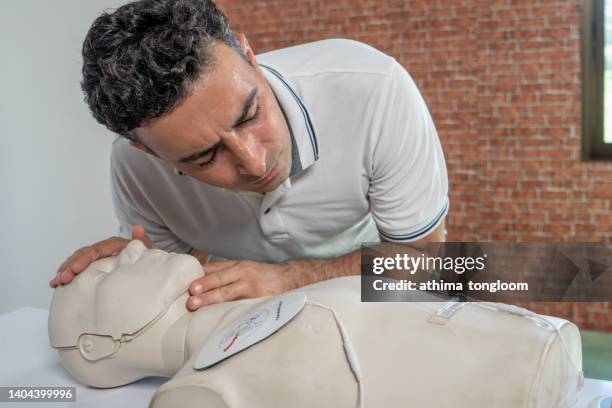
54, 157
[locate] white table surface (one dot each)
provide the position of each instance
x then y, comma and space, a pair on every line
27, 359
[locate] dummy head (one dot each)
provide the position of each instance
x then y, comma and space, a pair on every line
112, 324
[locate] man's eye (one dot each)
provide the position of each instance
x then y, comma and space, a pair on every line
209, 161
247, 120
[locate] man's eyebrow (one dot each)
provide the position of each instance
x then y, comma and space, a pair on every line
245, 111
199, 154
246, 108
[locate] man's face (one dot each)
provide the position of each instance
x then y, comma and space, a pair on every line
229, 131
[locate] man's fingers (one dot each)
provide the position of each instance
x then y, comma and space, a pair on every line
108, 247
222, 294
62, 278
83, 257
70, 259
203, 283
66, 266
111, 246
77, 263
138, 233
54, 282
213, 280
211, 267
66, 277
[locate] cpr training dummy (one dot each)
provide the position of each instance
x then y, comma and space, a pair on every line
124, 318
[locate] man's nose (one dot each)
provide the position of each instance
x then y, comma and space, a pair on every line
250, 155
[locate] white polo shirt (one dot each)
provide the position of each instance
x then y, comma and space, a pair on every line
367, 160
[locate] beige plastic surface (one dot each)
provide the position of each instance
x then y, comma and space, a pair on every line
480, 357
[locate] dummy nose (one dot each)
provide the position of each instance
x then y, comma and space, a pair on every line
250, 156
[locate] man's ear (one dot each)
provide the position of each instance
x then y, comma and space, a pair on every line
142, 147
246, 48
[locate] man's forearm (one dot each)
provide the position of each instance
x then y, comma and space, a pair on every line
308, 271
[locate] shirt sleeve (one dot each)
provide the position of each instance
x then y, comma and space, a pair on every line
409, 183
131, 208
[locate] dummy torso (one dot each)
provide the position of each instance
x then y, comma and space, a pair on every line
480, 357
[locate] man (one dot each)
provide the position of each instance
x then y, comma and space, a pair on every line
284, 163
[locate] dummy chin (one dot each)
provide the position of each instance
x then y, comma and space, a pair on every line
124, 318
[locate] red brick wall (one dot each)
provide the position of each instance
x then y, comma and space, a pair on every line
502, 81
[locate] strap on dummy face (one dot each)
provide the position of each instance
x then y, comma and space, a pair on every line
95, 347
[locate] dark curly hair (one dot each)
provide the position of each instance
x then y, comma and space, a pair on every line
139, 60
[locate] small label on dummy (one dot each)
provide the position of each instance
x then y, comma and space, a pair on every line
447, 311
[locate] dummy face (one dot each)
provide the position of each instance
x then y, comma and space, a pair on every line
229, 131
139, 293
120, 295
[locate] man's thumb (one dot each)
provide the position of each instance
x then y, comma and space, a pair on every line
138, 233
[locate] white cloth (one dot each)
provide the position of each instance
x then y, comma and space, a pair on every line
370, 161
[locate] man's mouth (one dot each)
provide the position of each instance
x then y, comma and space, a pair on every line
268, 176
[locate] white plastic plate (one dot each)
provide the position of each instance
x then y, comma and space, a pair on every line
251, 328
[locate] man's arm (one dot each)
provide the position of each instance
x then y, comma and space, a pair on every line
306, 272
231, 280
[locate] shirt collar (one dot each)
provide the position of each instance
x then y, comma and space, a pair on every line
301, 128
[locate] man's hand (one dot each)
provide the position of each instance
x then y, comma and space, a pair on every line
232, 280
81, 258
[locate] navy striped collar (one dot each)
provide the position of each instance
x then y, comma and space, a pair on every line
303, 134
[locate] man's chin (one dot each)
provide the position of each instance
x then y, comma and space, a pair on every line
271, 186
